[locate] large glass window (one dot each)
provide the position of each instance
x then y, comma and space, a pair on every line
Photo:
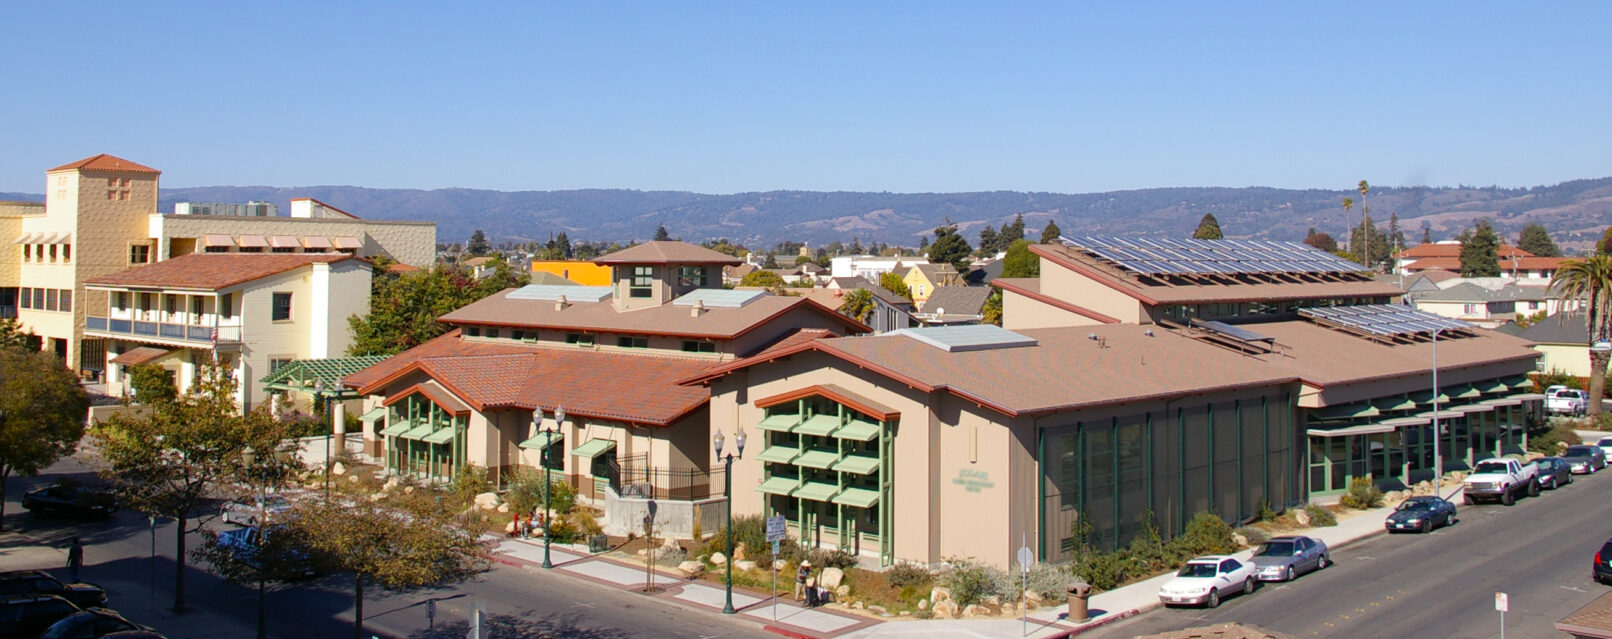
643, 282
690, 276
281, 310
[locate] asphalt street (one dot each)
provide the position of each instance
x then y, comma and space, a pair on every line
1443, 584
518, 602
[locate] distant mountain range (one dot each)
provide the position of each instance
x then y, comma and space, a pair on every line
1575, 212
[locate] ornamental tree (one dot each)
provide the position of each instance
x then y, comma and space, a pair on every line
42, 411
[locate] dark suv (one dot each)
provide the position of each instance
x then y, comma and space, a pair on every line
39, 582
1602, 573
25, 616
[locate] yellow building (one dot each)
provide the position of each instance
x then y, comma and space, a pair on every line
581, 272
923, 279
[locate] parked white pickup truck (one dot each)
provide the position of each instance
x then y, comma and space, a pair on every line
1501, 479
1566, 401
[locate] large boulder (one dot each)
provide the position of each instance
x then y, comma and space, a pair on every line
503, 508
842, 591
1301, 517
976, 610
946, 608
923, 604
939, 594
738, 552
831, 577
744, 564
691, 569
487, 501
879, 610
719, 559
1033, 598
338, 468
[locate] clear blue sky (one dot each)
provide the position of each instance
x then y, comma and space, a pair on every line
746, 96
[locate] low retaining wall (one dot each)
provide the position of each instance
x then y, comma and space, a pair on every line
100, 414
672, 518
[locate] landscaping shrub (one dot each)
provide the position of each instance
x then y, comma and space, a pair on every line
1046, 580
906, 574
671, 558
971, 581
1206, 534
1320, 517
1362, 494
824, 558
1556, 377
469, 482
1550, 439
749, 530
563, 531
586, 522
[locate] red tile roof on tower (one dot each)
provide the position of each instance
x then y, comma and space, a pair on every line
104, 162
1521, 263
667, 252
1454, 250
212, 271
667, 319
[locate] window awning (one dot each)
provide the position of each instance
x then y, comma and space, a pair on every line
1346, 411
397, 430
594, 448
56, 238
820, 425
1503, 401
1520, 382
441, 436
1529, 397
817, 459
316, 242
1426, 397
856, 464
252, 241
778, 454
1405, 422
216, 240
1394, 403
857, 497
373, 415
1445, 413
347, 242
543, 439
815, 491
1367, 429
778, 486
284, 241
1466, 391
1473, 408
141, 355
1492, 386
419, 432
779, 423
25, 238
857, 430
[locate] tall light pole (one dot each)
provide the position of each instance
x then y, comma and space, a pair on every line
1438, 458
319, 392
548, 484
727, 492
249, 458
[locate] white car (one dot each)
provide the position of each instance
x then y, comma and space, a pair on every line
1606, 447
1206, 579
247, 511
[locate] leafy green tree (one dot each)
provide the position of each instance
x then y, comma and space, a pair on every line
1050, 232
14, 335
1480, 250
949, 247
661, 235
1604, 247
1590, 280
1377, 244
1535, 239
403, 308
764, 279
1208, 228
770, 262
1020, 262
988, 239
42, 411
152, 384
892, 282
857, 304
170, 462
1321, 241
478, 245
396, 538
281, 557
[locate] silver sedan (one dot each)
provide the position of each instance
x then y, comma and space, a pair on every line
1284, 558
249, 511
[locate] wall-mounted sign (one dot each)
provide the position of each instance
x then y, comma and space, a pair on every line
973, 480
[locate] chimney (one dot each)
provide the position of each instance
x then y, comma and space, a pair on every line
560, 303
697, 308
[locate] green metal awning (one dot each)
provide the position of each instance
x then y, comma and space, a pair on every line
778, 454
396, 430
1444, 412
1503, 401
778, 486
779, 423
1426, 397
857, 497
541, 440
1394, 403
442, 436
858, 430
1492, 386
1403, 422
1466, 392
304, 375
1520, 382
1365, 429
857, 464
594, 448
820, 425
419, 432
373, 415
815, 491
1346, 411
817, 458
1473, 408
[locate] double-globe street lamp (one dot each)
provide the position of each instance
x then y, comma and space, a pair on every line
319, 392
249, 460
545, 459
727, 492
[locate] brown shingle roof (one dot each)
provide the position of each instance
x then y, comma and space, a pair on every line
667, 252
1151, 294
104, 162
141, 355
666, 319
1324, 357
1594, 619
212, 271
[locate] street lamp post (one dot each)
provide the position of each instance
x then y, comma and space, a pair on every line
548, 484
249, 458
1438, 457
727, 492
319, 392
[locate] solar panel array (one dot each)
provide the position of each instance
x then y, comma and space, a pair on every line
1386, 320
1210, 257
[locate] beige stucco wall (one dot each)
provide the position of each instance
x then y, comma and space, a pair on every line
1573, 359
1061, 283
1021, 312
412, 243
11, 216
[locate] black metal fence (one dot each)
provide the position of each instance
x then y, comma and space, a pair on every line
676, 484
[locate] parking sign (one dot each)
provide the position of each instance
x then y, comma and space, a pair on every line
775, 528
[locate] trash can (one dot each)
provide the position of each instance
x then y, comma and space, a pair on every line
1078, 593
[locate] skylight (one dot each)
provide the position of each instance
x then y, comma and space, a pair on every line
973, 337
552, 292
718, 298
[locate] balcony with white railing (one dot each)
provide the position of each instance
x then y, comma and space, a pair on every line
181, 329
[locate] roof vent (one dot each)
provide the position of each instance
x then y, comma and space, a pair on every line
697, 308
560, 303
1091, 336
1148, 332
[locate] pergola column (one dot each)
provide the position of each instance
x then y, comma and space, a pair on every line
338, 413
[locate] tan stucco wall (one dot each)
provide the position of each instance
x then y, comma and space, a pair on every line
1061, 283
11, 216
1573, 359
412, 243
1021, 312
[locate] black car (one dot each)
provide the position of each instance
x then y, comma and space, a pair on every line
1584, 459
90, 623
70, 499
39, 582
1422, 513
1602, 572
1554, 472
24, 616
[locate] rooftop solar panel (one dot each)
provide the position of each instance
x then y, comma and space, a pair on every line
1383, 319
1193, 256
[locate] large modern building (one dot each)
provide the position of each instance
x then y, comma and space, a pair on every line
100, 217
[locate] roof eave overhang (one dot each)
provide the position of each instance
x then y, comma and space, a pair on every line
1419, 373
1046, 299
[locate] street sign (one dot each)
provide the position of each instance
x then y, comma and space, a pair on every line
1026, 557
775, 528
1500, 602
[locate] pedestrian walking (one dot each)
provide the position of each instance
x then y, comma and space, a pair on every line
801, 575
75, 560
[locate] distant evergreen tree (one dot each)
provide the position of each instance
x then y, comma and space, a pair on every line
949, 247
1012, 234
1480, 251
1050, 233
1396, 235
1208, 228
661, 235
987, 241
1427, 233
1020, 262
1535, 239
1378, 243
923, 244
562, 246
478, 245
856, 246
770, 262
1321, 241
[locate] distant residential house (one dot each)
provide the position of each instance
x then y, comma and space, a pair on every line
1564, 341
1442, 253
871, 267
734, 274
891, 312
954, 305
923, 280
983, 274
1485, 307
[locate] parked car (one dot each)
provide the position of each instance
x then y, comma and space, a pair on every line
1605, 444
133, 634
1584, 459
39, 582
70, 499
1284, 558
24, 616
1423, 513
246, 545
1554, 472
1206, 579
1501, 479
90, 623
247, 511
1601, 572
1562, 400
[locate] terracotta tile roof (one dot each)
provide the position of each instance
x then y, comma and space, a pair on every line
666, 319
490, 376
104, 162
1454, 250
1526, 263
1154, 294
667, 252
141, 355
1594, 619
212, 271
436, 394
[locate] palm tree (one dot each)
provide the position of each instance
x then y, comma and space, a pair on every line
858, 305
1348, 203
1590, 279
1365, 233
